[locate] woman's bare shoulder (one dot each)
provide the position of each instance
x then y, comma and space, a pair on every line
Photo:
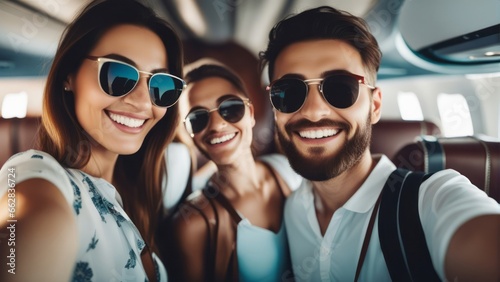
198, 211
195, 212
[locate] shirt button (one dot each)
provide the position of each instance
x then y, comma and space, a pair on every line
324, 251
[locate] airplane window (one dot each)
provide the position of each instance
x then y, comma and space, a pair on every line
15, 105
455, 115
409, 106
487, 87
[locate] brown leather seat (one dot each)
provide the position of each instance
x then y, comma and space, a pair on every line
17, 135
389, 136
478, 158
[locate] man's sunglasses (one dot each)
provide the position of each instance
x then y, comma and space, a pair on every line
118, 79
341, 90
231, 110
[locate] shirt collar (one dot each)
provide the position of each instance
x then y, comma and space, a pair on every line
366, 196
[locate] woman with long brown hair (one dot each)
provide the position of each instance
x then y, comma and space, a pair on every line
88, 200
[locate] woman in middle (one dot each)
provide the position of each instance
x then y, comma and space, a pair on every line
233, 228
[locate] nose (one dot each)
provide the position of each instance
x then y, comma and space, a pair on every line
315, 106
139, 97
215, 121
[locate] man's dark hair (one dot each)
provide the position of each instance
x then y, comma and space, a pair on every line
323, 23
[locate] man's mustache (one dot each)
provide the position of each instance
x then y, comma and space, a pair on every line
304, 123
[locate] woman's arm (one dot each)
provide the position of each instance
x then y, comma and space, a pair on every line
44, 238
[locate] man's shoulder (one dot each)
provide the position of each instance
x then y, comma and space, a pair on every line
449, 178
280, 164
300, 198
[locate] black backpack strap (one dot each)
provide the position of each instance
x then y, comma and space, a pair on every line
388, 227
401, 235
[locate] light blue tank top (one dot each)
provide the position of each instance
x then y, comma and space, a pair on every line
262, 254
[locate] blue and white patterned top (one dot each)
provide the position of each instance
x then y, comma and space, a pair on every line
109, 243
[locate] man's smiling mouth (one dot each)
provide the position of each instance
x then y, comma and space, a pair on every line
317, 134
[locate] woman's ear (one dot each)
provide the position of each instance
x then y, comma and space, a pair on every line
251, 111
68, 84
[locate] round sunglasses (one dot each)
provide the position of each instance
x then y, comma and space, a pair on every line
231, 110
339, 89
118, 79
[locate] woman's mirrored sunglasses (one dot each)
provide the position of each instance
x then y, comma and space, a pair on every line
231, 110
341, 90
118, 79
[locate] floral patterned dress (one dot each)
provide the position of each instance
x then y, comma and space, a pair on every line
109, 243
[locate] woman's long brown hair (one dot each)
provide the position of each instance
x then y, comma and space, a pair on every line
140, 175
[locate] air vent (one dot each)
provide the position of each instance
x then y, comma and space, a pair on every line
481, 46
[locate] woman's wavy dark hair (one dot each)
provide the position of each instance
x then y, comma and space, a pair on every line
139, 176
323, 23
214, 70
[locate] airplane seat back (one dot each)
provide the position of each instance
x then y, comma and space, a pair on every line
17, 135
476, 157
389, 136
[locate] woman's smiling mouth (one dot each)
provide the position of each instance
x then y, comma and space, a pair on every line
222, 139
127, 121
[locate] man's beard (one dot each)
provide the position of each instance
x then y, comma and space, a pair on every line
318, 166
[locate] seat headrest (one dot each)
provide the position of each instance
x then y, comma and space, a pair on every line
388, 136
478, 158
17, 135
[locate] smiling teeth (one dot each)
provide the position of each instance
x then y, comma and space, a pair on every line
127, 121
316, 134
222, 139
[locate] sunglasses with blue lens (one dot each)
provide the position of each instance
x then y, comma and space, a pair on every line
118, 79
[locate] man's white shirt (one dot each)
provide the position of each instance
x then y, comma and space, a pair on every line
446, 201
